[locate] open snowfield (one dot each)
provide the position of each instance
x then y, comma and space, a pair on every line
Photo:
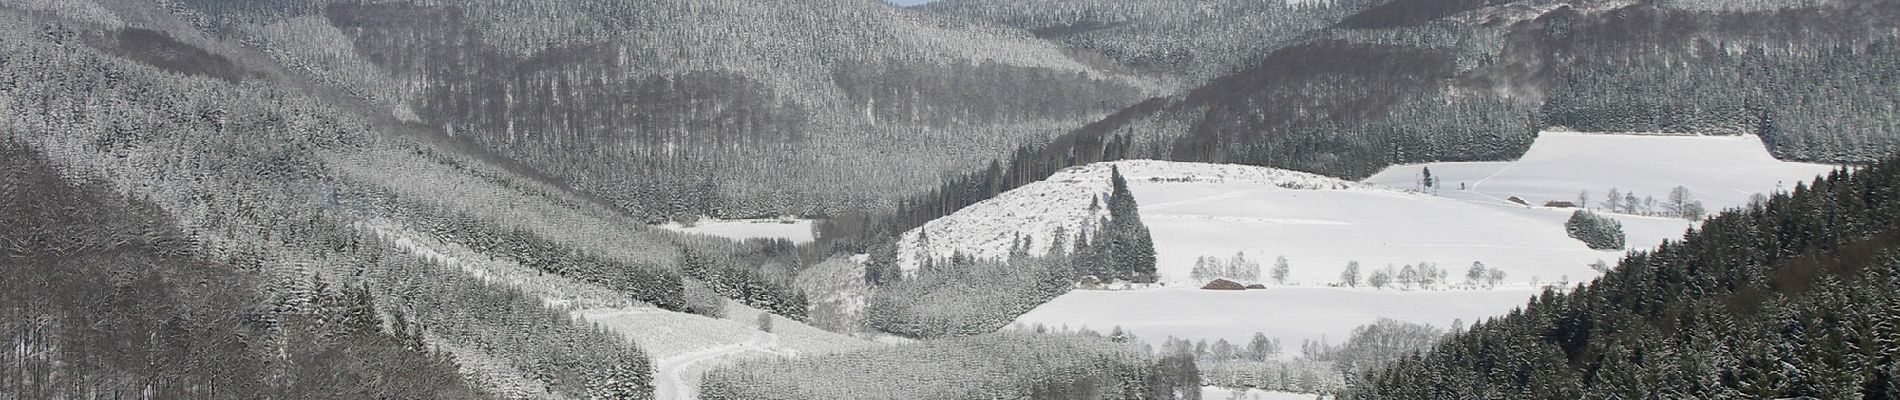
684, 346
1320, 231
1320, 224
1722, 171
796, 230
1292, 314
1217, 393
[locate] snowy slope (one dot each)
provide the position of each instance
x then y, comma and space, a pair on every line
1721, 171
1289, 313
795, 230
683, 346
1218, 393
986, 229
1320, 224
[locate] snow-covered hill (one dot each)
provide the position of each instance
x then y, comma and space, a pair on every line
795, 230
1721, 171
1321, 224
987, 229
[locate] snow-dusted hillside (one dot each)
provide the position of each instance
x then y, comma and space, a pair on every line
1318, 223
1721, 171
1321, 224
1291, 314
683, 346
986, 229
795, 230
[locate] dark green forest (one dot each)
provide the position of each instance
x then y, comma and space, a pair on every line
1798, 296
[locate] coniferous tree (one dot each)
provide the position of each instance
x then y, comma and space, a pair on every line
1131, 247
1597, 231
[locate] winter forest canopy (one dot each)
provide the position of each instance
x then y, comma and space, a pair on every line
466, 199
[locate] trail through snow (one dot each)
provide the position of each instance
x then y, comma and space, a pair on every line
671, 380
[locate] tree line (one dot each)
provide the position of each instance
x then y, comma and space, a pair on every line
1790, 297
995, 365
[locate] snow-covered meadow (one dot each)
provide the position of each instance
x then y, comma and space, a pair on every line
1291, 314
1320, 224
684, 346
1721, 171
1218, 393
796, 230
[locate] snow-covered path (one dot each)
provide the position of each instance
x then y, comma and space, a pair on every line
670, 383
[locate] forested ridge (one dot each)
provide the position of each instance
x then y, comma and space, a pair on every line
677, 109
105, 296
1421, 81
1792, 297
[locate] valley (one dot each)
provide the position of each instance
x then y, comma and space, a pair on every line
963, 199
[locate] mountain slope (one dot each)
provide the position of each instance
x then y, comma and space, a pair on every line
1719, 171
1321, 225
297, 190
1190, 42
106, 296
676, 109
1478, 84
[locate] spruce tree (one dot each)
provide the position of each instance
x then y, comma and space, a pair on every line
1131, 247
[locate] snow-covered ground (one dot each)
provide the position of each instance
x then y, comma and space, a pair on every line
1217, 393
796, 230
1721, 171
1291, 314
1320, 224
1321, 231
987, 228
684, 346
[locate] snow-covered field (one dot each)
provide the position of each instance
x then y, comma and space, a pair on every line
1320, 224
1217, 393
987, 228
1722, 171
1320, 231
1291, 314
684, 346
796, 230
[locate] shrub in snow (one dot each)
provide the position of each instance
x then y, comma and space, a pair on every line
1599, 232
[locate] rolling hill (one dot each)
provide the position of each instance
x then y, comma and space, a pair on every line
1321, 224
